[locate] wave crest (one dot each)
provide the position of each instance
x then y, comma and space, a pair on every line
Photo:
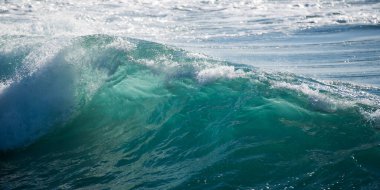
53, 89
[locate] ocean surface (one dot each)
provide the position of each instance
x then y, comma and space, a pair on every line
210, 94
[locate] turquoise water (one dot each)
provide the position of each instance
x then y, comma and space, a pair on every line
207, 94
142, 115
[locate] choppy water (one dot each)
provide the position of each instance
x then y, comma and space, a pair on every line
189, 95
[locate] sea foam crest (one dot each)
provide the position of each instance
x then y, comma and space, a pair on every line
316, 99
374, 117
216, 72
330, 97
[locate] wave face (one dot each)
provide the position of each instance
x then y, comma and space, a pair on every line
104, 111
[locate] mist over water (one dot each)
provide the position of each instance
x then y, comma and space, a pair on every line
189, 94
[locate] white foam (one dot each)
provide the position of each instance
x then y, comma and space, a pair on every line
121, 44
204, 69
316, 99
375, 117
3, 86
178, 21
164, 63
216, 72
331, 97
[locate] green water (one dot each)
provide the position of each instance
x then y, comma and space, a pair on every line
114, 113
